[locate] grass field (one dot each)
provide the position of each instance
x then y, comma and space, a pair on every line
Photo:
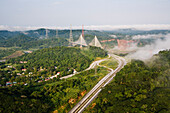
111, 63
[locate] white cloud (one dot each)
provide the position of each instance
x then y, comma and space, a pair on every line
145, 53
148, 36
138, 27
93, 27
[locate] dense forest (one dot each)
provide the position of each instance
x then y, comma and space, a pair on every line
138, 87
48, 62
25, 42
61, 57
35, 93
54, 95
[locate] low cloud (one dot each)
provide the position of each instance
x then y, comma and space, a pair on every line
92, 27
137, 27
148, 36
145, 53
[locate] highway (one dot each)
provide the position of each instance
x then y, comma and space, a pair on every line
91, 95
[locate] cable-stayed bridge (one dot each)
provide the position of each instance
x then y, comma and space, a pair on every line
81, 41
95, 42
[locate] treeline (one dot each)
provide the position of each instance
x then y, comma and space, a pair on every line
26, 42
138, 87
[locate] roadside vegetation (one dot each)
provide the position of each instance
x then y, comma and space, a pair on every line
138, 87
111, 63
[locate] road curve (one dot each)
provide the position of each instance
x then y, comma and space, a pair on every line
87, 99
90, 67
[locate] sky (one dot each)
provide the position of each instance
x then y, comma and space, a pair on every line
62, 13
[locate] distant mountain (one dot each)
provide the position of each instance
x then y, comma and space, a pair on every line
4, 34
139, 32
64, 33
37, 38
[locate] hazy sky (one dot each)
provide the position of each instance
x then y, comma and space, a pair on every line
87, 12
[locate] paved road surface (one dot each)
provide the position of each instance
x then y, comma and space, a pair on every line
87, 99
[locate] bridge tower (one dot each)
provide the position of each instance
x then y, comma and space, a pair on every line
71, 37
95, 42
83, 30
46, 31
80, 41
56, 33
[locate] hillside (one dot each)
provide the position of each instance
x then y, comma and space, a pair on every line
138, 87
14, 55
26, 84
6, 52
62, 58
25, 42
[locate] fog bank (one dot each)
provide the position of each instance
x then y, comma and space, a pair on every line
145, 53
